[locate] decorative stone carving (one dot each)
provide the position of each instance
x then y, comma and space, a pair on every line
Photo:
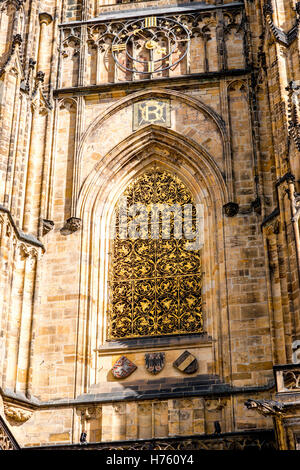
231, 209
265, 407
291, 379
145, 408
296, 352
89, 412
215, 404
71, 42
155, 362
48, 225
45, 18
186, 363
71, 225
119, 408
39, 101
123, 367
17, 415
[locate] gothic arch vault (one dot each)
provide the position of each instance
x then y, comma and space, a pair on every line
165, 149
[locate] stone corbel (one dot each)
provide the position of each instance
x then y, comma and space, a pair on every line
48, 225
215, 404
231, 209
71, 225
87, 413
17, 415
45, 18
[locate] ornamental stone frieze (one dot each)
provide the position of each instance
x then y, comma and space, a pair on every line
231, 209
48, 225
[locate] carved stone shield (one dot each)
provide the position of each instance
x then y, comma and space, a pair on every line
186, 363
123, 367
155, 362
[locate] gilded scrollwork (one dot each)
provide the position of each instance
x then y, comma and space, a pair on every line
156, 281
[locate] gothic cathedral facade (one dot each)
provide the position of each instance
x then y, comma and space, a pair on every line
120, 334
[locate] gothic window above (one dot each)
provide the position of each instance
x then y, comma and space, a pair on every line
155, 284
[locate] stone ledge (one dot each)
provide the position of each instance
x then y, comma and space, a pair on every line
168, 342
190, 80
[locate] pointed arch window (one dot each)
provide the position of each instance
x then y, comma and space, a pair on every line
155, 281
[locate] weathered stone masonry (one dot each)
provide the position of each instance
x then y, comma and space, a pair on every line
70, 146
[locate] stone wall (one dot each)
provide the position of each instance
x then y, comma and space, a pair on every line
69, 147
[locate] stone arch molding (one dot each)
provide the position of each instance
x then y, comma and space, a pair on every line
165, 149
155, 143
103, 136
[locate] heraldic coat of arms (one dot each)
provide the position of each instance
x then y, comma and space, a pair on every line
155, 362
123, 367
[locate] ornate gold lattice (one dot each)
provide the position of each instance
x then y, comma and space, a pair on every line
156, 283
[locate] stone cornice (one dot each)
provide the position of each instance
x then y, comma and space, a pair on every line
191, 80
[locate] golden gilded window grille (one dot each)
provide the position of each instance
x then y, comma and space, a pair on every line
155, 286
